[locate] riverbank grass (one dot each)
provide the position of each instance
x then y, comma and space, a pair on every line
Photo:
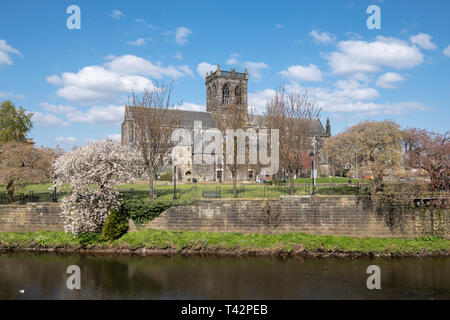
184, 240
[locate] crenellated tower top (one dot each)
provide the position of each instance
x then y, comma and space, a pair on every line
226, 88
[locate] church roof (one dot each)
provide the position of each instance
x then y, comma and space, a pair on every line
317, 128
187, 117
207, 118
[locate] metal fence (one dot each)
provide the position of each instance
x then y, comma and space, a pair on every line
194, 191
198, 191
31, 196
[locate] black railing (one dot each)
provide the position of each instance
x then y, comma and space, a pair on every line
31, 196
243, 191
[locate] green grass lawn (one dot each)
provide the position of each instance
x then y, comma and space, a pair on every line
189, 191
333, 180
154, 239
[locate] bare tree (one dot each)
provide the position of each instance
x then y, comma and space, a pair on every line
233, 117
156, 118
292, 113
429, 151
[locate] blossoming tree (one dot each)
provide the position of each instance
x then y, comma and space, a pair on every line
93, 171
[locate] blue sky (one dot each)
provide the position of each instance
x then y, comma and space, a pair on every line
76, 82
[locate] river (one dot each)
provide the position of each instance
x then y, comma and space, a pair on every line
43, 276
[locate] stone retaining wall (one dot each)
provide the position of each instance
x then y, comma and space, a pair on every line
330, 215
321, 215
30, 217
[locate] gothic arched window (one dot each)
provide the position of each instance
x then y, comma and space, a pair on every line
237, 95
225, 95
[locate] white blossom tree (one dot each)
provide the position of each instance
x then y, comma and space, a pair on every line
93, 171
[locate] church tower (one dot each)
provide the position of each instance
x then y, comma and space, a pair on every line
226, 88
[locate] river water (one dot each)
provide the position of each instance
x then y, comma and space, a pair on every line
43, 276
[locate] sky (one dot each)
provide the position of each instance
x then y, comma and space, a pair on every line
76, 82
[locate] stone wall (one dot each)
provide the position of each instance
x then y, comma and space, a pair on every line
330, 215
31, 217
321, 215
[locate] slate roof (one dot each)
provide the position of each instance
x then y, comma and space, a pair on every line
208, 121
187, 117
317, 128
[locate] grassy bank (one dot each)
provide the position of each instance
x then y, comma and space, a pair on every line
231, 243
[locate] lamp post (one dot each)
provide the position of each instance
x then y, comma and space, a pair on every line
220, 170
313, 154
174, 179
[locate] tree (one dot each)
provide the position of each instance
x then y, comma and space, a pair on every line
429, 151
156, 119
292, 114
93, 171
369, 146
339, 150
413, 141
231, 120
14, 123
21, 163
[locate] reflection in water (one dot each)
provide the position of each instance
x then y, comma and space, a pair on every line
43, 276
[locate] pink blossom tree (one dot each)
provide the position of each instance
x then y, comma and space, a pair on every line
93, 171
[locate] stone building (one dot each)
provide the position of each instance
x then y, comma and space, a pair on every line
223, 88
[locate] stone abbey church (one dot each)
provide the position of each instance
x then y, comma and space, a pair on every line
222, 88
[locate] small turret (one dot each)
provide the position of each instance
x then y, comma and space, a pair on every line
328, 128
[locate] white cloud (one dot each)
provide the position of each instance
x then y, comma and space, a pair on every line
94, 83
115, 137
134, 65
67, 140
120, 75
10, 95
178, 56
204, 67
388, 80
232, 61
361, 56
278, 26
353, 35
345, 91
447, 51
423, 40
347, 96
145, 23
47, 120
116, 14
361, 77
186, 70
139, 42
181, 35
5, 50
105, 115
98, 115
192, 107
322, 37
258, 100
309, 73
361, 108
59, 109
254, 69
357, 98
